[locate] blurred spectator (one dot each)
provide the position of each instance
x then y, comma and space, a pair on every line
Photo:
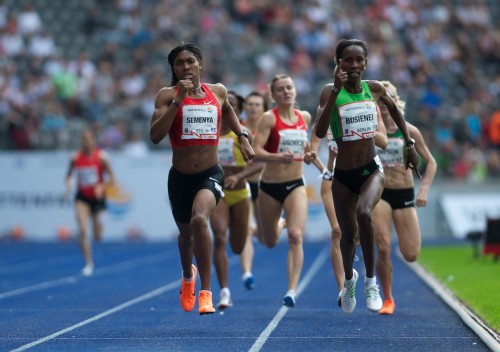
108, 55
12, 42
94, 21
3, 14
113, 136
42, 45
17, 133
131, 85
54, 126
66, 85
494, 130
136, 147
29, 20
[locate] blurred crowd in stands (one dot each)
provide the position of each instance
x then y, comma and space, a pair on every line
66, 65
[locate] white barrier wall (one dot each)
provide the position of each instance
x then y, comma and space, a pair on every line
32, 188
468, 212
32, 203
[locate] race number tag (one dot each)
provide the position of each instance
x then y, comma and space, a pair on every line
359, 120
294, 141
226, 151
87, 176
393, 155
199, 122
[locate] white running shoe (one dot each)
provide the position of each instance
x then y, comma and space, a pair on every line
373, 301
88, 270
348, 294
225, 299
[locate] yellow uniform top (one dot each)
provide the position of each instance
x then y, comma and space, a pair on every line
229, 150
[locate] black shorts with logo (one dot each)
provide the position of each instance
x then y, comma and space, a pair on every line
182, 189
280, 191
399, 198
354, 178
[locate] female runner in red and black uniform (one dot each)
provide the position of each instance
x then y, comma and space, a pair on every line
91, 165
190, 113
281, 142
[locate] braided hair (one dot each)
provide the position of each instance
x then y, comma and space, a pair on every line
175, 51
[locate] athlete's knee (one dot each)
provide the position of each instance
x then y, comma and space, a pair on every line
270, 242
237, 248
219, 239
269, 239
295, 236
384, 251
346, 239
363, 214
336, 234
411, 256
198, 222
185, 239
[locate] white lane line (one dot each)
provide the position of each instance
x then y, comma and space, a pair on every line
320, 260
232, 260
118, 308
34, 264
487, 335
122, 266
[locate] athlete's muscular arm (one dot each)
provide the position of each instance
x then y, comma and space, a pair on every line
379, 93
251, 169
315, 140
327, 100
430, 165
314, 146
381, 139
309, 152
164, 114
165, 110
230, 118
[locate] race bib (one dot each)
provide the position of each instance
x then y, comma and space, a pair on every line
87, 176
294, 141
226, 152
393, 155
199, 122
359, 120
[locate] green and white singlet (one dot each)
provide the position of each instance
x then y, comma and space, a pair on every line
355, 115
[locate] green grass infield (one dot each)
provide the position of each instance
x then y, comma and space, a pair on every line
474, 280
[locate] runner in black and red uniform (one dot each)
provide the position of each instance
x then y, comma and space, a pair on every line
281, 142
190, 113
91, 165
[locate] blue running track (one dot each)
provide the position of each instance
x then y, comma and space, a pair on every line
131, 304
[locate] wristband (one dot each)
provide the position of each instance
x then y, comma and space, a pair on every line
326, 175
410, 144
176, 103
243, 134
